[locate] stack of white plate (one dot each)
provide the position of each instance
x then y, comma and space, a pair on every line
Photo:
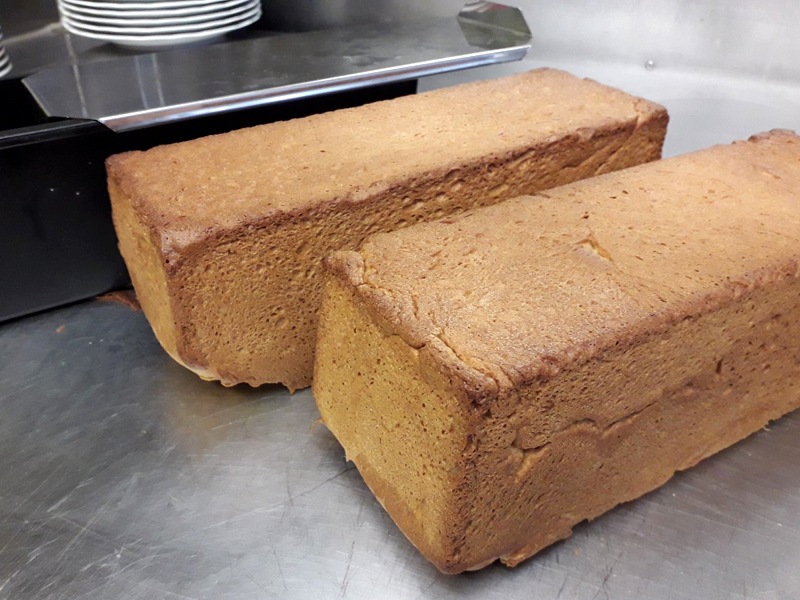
156, 23
5, 62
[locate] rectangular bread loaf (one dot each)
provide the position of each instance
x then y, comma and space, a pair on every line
500, 376
224, 235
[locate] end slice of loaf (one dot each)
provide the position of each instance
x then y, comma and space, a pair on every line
223, 236
499, 377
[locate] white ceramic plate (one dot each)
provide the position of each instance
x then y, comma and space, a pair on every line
154, 42
139, 5
237, 7
82, 28
75, 7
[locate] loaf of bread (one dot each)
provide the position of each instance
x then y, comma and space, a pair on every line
500, 376
223, 236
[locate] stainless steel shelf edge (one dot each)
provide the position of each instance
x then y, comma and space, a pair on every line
150, 89
160, 115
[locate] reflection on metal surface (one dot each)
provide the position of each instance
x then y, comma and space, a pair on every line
490, 25
126, 476
140, 91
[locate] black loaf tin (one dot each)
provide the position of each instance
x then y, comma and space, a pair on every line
57, 242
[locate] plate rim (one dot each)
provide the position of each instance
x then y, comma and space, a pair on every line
69, 5
176, 38
82, 28
156, 4
237, 7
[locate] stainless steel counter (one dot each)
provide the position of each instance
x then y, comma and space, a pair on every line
125, 476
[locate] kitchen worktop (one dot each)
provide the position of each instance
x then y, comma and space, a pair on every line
126, 476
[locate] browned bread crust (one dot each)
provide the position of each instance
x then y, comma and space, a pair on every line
223, 236
501, 376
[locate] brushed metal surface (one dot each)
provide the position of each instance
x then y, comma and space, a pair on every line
125, 476
149, 89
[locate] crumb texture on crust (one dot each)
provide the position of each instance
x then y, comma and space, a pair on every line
417, 482
223, 181
145, 265
240, 222
589, 342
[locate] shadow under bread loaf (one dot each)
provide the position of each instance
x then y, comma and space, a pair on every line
224, 235
501, 376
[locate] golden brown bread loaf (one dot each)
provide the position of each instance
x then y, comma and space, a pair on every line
500, 376
223, 236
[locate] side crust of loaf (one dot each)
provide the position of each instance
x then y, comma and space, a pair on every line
501, 459
142, 251
239, 297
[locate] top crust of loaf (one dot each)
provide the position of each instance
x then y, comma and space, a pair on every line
523, 289
280, 170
